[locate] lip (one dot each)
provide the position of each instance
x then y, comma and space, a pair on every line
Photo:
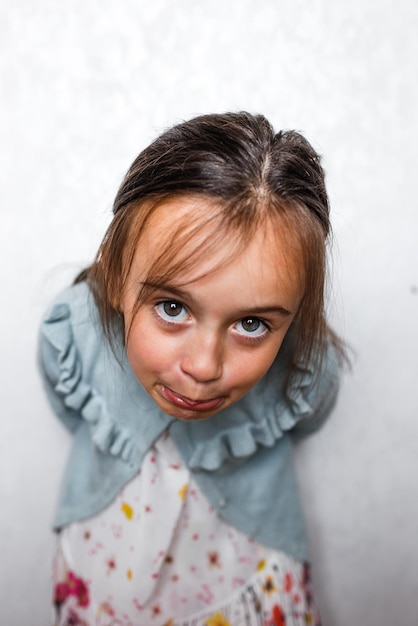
186, 403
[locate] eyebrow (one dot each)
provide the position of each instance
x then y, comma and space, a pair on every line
184, 295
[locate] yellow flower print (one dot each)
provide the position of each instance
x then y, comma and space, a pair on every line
127, 509
261, 565
268, 586
129, 574
183, 491
217, 620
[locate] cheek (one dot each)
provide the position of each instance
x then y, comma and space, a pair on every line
249, 369
139, 348
143, 354
149, 353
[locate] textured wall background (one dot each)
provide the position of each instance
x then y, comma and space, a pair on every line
84, 86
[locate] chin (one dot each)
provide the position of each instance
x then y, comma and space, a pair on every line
187, 415
190, 416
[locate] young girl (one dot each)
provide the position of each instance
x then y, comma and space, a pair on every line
186, 361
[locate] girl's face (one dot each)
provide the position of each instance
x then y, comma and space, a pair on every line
200, 342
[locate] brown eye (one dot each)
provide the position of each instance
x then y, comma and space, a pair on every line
251, 327
172, 311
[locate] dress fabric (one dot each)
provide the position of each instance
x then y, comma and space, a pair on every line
160, 555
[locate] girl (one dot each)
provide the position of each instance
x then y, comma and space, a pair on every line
186, 361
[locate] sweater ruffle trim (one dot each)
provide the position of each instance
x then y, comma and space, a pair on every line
79, 396
242, 440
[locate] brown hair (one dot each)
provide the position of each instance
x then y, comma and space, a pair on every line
253, 176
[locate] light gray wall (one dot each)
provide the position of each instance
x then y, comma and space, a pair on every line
85, 84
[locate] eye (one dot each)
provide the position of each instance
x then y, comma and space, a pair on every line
172, 311
251, 327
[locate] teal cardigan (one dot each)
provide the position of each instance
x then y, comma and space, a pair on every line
241, 457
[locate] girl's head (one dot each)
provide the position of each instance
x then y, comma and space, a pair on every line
207, 195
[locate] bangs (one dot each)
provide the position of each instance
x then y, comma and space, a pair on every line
191, 244
194, 241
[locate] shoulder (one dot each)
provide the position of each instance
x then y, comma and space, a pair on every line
73, 318
75, 303
70, 323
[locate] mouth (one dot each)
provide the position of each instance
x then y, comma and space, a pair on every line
187, 403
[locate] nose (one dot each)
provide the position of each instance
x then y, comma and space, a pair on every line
203, 357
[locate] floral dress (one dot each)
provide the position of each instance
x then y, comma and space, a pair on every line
160, 555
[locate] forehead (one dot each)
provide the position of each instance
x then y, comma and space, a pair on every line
190, 236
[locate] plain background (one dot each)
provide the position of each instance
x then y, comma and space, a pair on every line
85, 85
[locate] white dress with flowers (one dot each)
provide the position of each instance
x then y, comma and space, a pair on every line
160, 555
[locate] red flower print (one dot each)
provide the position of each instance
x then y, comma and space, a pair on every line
72, 586
79, 589
288, 582
111, 565
213, 558
107, 609
277, 617
156, 610
61, 593
74, 620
